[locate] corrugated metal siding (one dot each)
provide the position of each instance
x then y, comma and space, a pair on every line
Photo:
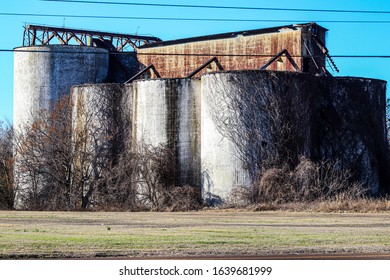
172, 66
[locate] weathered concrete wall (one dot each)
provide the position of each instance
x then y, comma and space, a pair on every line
165, 112
44, 73
150, 112
226, 126
222, 166
96, 118
351, 113
97, 133
321, 118
249, 120
298, 42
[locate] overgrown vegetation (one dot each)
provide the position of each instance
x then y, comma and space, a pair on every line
308, 183
6, 167
264, 122
388, 120
144, 179
73, 157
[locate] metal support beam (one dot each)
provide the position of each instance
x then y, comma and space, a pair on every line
81, 37
325, 52
276, 57
150, 67
34, 35
208, 62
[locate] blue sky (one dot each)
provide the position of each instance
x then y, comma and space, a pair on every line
342, 39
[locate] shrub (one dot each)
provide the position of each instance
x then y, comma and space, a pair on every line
276, 185
182, 198
308, 182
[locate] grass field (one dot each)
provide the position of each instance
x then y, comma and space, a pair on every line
189, 234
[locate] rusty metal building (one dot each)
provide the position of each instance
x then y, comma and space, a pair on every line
298, 47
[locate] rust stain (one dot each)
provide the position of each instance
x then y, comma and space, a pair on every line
178, 66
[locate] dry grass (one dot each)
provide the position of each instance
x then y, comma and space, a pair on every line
309, 186
361, 205
190, 234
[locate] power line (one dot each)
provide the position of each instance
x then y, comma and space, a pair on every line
220, 7
194, 19
188, 54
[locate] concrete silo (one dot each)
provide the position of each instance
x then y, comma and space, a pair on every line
97, 135
254, 120
222, 165
166, 112
43, 74
96, 118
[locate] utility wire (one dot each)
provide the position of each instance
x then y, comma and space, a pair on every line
194, 19
220, 7
187, 54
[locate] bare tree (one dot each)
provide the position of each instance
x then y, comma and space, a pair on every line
388, 120
96, 141
6, 166
143, 178
58, 161
44, 158
80, 155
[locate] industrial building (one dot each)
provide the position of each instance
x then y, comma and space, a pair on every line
178, 93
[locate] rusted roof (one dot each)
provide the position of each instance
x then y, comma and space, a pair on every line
230, 35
